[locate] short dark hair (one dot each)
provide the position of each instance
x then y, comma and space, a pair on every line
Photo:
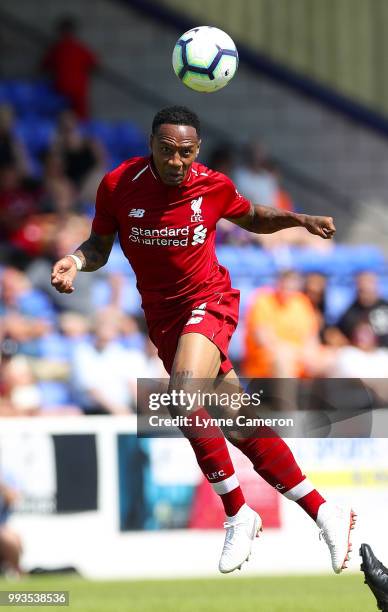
176, 115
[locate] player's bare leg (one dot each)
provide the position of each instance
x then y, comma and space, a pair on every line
273, 460
197, 360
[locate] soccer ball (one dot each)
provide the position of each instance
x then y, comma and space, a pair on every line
205, 59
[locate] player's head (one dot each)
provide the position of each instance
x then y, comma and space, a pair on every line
174, 142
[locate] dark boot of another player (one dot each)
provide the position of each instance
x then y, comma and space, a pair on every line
376, 576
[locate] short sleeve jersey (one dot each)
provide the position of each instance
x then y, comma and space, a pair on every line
168, 233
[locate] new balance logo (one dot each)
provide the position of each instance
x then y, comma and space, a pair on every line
196, 217
136, 212
197, 314
199, 235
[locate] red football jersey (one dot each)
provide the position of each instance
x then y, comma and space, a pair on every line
168, 233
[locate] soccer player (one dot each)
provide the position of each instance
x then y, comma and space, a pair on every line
165, 208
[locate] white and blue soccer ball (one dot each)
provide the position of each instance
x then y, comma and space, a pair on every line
205, 59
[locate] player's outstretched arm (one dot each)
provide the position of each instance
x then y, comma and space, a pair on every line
267, 220
93, 253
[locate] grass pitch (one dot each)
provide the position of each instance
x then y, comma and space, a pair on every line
223, 594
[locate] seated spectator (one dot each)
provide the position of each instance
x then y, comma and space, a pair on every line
132, 336
253, 179
282, 197
10, 543
20, 395
12, 150
74, 327
368, 307
115, 288
17, 203
104, 373
221, 159
58, 192
68, 236
281, 330
70, 63
21, 334
315, 289
155, 367
84, 158
19, 295
363, 358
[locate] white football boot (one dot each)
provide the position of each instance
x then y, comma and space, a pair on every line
336, 524
241, 530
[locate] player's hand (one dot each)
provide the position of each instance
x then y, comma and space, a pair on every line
63, 274
320, 226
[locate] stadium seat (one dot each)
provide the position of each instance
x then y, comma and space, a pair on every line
339, 297
48, 103
103, 131
36, 134
32, 98
130, 140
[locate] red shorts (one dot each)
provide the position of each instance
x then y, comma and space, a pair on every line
216, 319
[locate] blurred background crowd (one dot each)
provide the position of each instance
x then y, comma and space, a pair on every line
306, 311
303, 126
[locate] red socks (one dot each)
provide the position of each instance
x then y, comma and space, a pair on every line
274, 461
214, 460
271, 458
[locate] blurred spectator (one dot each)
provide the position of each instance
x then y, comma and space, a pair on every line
221, 159
20, 395
59, 194
104, 373
315, 289
10, 542
368, 307
18, 295
12, 150
70, 63
74, 327
363, 358
132, 336
155, 367
17, 202
21, 335
281, 330
69, 235
83, 157
253, 179
282, 197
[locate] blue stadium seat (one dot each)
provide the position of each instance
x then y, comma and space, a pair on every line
48, 102
36, 133
338, 298
130, 140
32, 98
247, 262
4, 93
22, 96
103, 131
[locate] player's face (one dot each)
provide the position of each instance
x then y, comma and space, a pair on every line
174, 148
